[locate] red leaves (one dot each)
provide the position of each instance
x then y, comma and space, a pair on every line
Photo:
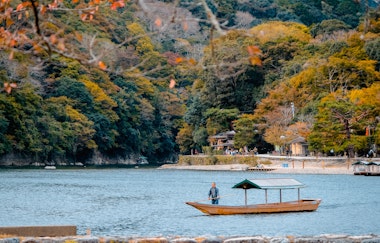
43, 9
13, 43
53, 5
175, 59
254, 55
23, 5
14, 37
83, 16
53, 39
9, 86
102, 66
61, 44
178, 60
255, 60
253, 50
158, 22
117, 4
172, 83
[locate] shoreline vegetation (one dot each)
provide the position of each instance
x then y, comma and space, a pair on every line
268, 164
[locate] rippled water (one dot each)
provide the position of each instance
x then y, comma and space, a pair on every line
150, 202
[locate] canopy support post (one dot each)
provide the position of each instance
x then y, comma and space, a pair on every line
266, 196
280, 195
245, 193
299, 194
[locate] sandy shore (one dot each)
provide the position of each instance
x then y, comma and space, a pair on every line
277, 168
285, 165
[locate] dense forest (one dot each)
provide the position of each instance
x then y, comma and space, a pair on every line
110, 82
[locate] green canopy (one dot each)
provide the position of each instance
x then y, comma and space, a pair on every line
273, 183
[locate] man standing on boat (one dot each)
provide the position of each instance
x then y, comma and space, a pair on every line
213, 194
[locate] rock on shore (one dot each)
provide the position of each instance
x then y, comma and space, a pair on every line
178, 239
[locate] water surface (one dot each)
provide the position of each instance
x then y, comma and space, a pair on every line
151, 202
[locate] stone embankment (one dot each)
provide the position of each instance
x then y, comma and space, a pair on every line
246, 239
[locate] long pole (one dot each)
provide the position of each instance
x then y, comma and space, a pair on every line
228, 195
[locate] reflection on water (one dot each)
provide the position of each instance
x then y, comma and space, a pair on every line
150, 202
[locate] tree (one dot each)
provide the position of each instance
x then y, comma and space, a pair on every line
246, 131
185, 139
336, 124
5, 145
276, 135
230, 72
327, 28
220, 120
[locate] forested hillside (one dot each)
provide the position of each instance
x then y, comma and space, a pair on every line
105, 82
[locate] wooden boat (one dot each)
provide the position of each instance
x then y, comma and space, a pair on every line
300, 205
366, 168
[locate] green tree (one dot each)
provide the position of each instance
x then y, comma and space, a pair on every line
22, 110
328, 27
220, 120
246, 131
5, 145
337, 123
200, 138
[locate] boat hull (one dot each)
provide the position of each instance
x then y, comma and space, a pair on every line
302, 205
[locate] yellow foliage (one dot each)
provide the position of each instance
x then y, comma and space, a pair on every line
370, 36
74, 114
173, 102
368, 66
276, 135
303, 78
144, 45
99, 95
298, 129
59, 100
367, 96
198, 84
50, 28
144, 85
273, 31
104, 103
135, 29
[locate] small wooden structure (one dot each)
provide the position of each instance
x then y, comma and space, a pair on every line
222, 141
280, 184
299, 147
366, 168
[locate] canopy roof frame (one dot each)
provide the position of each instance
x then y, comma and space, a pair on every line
269, 184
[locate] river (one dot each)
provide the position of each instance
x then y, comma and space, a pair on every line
151, 202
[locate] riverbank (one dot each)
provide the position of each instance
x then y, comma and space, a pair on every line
200, 239
282, 165
274, 169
